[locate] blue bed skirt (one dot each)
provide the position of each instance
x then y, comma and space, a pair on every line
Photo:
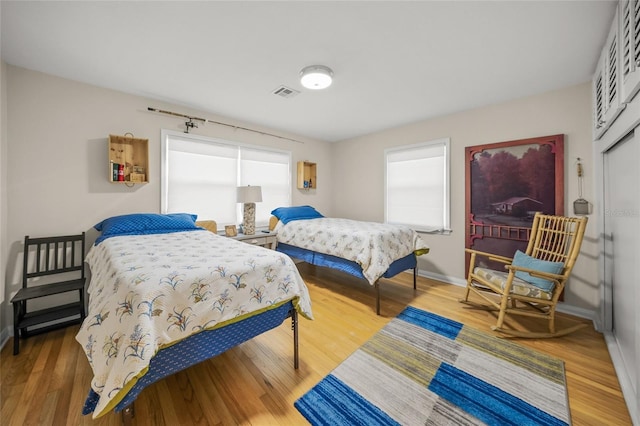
198, 348
348, 266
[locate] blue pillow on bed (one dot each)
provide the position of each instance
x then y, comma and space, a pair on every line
145, 223
287, 214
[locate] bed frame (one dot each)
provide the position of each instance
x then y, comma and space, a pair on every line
201, 347
326, 260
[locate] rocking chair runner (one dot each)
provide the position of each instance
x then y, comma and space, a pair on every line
533, 281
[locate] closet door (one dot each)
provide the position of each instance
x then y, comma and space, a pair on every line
622, 231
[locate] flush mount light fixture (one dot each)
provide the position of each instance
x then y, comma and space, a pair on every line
316, 77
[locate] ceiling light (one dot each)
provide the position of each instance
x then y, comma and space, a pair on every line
316, 77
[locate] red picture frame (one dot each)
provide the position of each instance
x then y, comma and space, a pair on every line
506, 183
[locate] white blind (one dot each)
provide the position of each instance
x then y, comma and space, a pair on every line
417, 185
271, 171
200, 175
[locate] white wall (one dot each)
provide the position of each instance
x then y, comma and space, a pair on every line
358, 166
57, 176
3, 177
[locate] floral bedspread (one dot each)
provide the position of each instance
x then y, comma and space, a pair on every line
374, 246
150, 291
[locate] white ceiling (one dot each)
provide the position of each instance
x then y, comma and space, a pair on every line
394, 62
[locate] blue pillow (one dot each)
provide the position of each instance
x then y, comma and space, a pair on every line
525, 261
146, 223
287, 214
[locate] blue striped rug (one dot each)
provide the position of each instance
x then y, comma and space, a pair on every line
423, 369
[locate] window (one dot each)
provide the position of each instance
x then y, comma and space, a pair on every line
417, 186
200, 175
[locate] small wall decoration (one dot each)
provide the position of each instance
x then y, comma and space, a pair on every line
129, 159
506, 183
230, 230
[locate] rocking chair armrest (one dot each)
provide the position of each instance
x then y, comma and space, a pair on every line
536, 273
491, 256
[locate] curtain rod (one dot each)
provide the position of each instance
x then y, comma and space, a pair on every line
190, 124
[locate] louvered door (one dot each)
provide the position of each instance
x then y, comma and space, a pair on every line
630, 48
599, 100
607, 83
612, 74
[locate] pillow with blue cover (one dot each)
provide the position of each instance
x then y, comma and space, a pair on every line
287, 214
145, 224
525, 261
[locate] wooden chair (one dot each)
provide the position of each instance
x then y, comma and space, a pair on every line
532, 282
51, 265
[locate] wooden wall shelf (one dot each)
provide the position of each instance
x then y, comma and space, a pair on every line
132, 154
307, 175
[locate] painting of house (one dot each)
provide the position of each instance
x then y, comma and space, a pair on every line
517, 206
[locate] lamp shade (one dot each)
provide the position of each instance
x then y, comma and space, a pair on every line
249, 194
316, 77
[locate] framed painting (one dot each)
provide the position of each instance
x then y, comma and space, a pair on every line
506, 184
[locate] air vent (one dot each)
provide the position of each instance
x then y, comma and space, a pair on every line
285, 92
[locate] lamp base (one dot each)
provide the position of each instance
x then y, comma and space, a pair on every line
249, 219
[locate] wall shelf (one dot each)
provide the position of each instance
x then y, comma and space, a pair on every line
128, 159
307, 175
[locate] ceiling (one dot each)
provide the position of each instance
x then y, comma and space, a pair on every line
394, 62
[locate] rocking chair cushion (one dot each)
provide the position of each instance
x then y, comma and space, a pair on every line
519, 287
526, 261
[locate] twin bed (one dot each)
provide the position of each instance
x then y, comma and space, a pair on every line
166, 294
367, 250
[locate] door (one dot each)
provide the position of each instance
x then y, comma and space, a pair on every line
622, 231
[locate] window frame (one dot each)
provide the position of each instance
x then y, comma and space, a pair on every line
446, 144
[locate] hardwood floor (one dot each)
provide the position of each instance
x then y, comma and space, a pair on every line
256, 384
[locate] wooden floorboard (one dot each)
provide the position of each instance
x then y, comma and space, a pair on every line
256, 384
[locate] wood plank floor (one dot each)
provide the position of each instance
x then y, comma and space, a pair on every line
255, 383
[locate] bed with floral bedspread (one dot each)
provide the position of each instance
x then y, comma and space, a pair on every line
368, 250
153, 295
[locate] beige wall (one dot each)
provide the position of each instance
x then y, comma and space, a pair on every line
358, 165
55, 133
3, 178
57, 176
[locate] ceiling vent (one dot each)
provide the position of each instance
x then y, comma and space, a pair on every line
285, 92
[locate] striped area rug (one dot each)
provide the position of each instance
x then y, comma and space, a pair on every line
423, 369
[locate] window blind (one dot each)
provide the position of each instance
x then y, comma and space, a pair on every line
417, 186
200, 175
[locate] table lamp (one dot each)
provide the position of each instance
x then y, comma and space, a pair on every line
249, 195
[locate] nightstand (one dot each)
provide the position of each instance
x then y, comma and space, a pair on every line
264, 239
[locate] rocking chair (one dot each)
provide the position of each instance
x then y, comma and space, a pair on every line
533, 281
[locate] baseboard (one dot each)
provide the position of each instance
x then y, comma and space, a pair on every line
578, 312
444, 278
623, 378
4, 336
